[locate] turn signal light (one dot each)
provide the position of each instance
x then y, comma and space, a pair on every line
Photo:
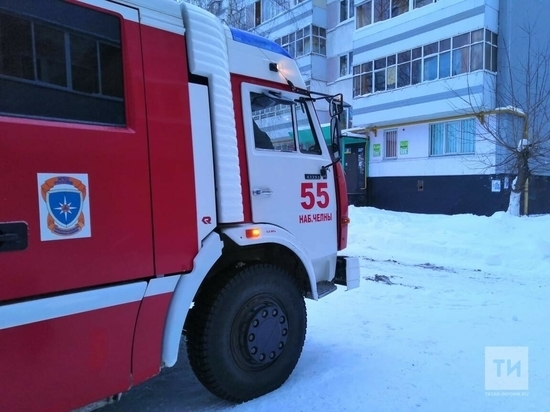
345, 220
253, 233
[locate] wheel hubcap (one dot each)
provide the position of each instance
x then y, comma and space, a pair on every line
266, 333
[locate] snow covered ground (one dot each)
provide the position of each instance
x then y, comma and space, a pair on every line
459, 284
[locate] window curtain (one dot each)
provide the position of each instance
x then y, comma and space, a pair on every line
468, 136
452, 137
437, 134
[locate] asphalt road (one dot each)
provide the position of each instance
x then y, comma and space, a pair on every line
174, 389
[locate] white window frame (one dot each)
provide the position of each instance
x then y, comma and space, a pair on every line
424, 3
416, 60
348, 64
382, 10
346, 118
460, 149
349, 7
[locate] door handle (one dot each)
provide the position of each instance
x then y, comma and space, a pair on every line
259, 192
13, 236
9, 237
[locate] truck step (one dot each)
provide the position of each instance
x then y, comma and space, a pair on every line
324, 288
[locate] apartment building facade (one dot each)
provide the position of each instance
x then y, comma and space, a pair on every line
421, 76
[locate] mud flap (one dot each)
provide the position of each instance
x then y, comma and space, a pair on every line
347, 272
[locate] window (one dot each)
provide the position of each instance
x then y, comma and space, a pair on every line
384, 73
381, 10
416, 76
49, 44
343, 65
490, 51
380, 80
347, 10
271, 122
430, 68
257, 13
464, 53
461, 61
404, 69
380, 75
282, 125
362, 79
430, 61
346, 118
461, 54
399, 7
468, 136
260, 11
476, 51
65, 54
300, 42
307, 138
422, 3
319, 42
249, 16
364, 15
346, 64
84, 64
444, 65
457, 137
293, 43
390, 144
304, 41
269, 10
391, 77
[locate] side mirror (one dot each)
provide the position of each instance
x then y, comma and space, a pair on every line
336, 105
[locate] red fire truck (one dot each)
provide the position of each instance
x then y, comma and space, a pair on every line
163, 177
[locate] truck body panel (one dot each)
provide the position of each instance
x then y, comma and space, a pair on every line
115, 243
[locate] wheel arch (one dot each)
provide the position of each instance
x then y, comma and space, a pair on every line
275, 246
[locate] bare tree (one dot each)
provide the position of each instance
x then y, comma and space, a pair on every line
232, 12
519, 129
213, 6
382, 10
243, 14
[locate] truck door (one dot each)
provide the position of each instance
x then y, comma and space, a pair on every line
285, 158
74, 185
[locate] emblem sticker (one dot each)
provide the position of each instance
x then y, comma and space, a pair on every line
64, 205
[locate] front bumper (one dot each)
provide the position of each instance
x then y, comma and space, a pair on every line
347, 272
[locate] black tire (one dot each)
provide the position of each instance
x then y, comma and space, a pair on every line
260, 300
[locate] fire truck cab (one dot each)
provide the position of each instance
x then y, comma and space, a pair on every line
163, 176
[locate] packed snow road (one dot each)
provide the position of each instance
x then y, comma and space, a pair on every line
436, 291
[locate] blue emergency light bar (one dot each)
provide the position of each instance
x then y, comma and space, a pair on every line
254, 40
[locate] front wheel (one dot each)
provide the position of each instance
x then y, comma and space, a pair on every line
246, 331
